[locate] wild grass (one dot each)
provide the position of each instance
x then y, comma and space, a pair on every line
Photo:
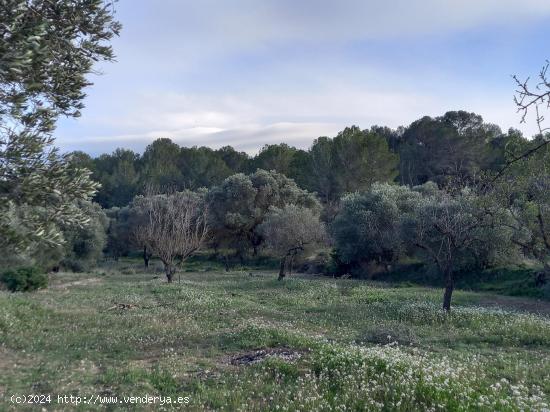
358, 345
512, 281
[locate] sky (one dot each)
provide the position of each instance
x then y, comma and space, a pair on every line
247, 73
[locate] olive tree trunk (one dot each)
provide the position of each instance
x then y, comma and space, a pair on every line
282, 268
169, 270
449, 287
291, 265
146, 257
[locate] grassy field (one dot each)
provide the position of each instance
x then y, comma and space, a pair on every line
232, 341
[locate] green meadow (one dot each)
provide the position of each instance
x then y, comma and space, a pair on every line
244, 341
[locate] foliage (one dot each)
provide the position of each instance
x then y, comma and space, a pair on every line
240, 204
202, 167
524, 190
168, 166
48, 49
362, 158
450, 149
119, 176
84, 244
455, 231
352, 161
160, 165
277, 157
164, 165
367, 228
119, 232
25, 279
235, 161
452, 230
123, 222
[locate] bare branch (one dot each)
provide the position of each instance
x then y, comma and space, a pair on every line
526, 99
175, 227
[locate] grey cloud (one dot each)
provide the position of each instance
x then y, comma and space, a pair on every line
195, 31
249, 139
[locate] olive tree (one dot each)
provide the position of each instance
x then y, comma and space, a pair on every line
175, 227
450, 230
291, 230
367, 228
536, 216
524, 190
241, 203
455, 231
48, 49
81, 249
84, 244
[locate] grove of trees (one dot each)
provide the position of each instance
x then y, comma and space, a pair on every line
451, 192
433, 193
240, 204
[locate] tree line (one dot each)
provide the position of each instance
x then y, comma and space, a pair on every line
455, 147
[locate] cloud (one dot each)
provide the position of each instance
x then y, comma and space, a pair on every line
248, 138
247, 73
182, 35
249, 121
246, 121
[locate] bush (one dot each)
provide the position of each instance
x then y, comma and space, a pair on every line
84, 244
24, 279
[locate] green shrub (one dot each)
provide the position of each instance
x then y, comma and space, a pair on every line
24, 279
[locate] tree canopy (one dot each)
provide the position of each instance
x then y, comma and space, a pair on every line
241, 202
450, 149
290, 231
48, 50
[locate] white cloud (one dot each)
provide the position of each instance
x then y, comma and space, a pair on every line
248, 138
249, 121
146, 94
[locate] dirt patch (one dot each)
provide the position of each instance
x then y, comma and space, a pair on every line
259, 355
